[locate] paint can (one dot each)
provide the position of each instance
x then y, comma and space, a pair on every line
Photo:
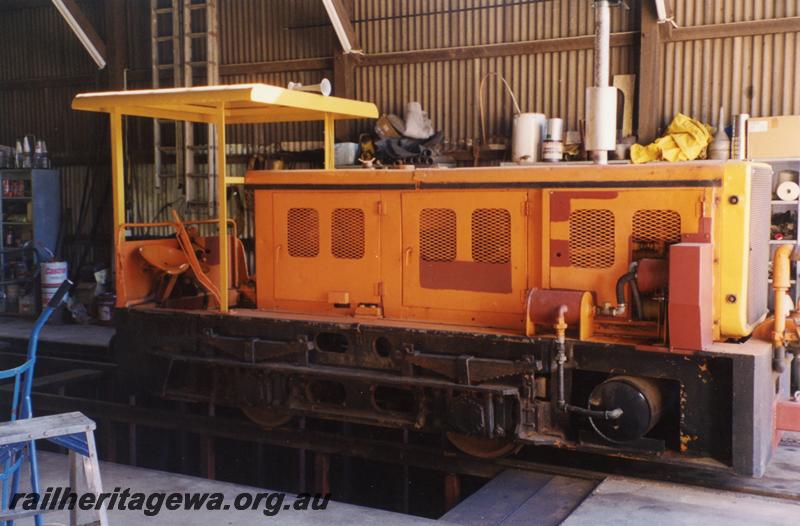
54, 273
553, 146
105, 308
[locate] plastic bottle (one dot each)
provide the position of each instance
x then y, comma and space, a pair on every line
720, 148
18, 155
26, 153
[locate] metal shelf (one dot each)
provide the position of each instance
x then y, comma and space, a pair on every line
42, 199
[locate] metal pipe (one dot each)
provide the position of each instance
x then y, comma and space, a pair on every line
602, 53
602, 42
629, 277
561, 359
781, 282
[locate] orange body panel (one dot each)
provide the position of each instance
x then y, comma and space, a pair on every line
462, 246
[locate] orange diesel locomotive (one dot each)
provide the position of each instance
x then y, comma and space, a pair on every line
613, 309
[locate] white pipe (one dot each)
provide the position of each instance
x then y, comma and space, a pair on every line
602, 42
602, 52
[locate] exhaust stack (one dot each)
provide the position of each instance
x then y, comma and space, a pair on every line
601, 99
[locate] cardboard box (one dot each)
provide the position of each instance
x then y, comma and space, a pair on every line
773, 137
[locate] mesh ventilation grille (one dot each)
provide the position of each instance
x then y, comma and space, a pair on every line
657, 225
347, 233
758, 267
491, 235
437, 234
591, 238
303, 232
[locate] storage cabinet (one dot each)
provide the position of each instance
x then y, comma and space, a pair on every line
30, 215
784, 215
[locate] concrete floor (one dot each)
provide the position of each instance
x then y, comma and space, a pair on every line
12, 328
620, 500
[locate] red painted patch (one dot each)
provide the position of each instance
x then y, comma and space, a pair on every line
703, 234
561, 202
465, 275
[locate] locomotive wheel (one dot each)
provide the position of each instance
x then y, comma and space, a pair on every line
266, 418
482, 447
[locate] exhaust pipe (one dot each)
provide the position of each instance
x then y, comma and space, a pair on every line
601, 100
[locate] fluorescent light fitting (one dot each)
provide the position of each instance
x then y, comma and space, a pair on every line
347, 47
81, 34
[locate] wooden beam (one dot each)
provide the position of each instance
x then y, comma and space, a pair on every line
85, 25
117, 33
344, 86
651, 57
736, 29
530, 47
278, 66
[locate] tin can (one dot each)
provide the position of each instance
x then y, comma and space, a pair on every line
553, 151
105, 308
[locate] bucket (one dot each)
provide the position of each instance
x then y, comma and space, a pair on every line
54, 273
345, 153
526, 140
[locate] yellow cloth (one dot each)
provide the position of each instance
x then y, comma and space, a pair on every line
686, 140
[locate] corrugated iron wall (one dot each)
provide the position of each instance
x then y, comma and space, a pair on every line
549, 83
42, 66
265, 31
704, 12
404, 25
552, 83
758, 74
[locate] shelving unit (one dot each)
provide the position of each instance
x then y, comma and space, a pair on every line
785, 169
30, 210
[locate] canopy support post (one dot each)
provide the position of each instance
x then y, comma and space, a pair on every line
117, 171
117, 195
330, 130
222, 212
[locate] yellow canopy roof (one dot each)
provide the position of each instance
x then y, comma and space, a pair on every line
243, 104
